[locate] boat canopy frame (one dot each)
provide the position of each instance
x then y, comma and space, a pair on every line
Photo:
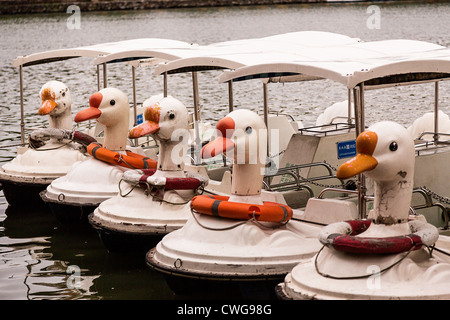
427, 64
93, 52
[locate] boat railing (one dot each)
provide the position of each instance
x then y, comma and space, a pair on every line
298, 185
432, 133
428, 202
425, 146
298, 182
327, 129
278, 113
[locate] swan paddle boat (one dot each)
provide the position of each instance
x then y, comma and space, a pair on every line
242, 241
50, 153
154, 202
389, 255
88, 183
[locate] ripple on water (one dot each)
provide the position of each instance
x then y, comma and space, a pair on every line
31, 267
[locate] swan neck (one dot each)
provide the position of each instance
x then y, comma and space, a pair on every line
170, 157
392, 202
247, 179
61, 121
115, 138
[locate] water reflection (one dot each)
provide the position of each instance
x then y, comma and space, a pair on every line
36, 252
42, 259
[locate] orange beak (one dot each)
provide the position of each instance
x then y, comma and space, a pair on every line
93, 112
48, 102
152, 115
223, 142
47, 106
363, 161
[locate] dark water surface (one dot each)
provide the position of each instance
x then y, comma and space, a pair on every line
38, 256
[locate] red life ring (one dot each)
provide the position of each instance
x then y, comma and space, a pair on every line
219, 206
342, 237
129, 160
186, 183
83, 138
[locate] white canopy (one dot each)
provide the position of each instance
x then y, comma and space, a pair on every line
377, 63
94, 51
244, 52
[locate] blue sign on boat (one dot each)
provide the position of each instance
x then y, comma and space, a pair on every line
346, 149
140, 118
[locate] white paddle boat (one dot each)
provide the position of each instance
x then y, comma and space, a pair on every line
242, 240
389, 255
151, 203
50, 153
88, 183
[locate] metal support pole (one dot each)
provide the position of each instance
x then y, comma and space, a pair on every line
22, 121
358, 93
165, 84
195, 93
98, 78
230, 96
349, 99
133, 74
197, 140
436, 113
266, 113
105, 82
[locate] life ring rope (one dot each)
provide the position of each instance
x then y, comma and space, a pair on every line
139, 178
219, 206
129, 160
150, 191
358, 276
342, 236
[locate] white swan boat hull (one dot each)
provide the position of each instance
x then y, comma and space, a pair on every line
32, 170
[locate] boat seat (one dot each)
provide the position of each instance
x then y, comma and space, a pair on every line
296, 198
329, 210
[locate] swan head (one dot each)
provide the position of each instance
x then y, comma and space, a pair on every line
109, 106
55, 98
385, 152
241, 135
163, 117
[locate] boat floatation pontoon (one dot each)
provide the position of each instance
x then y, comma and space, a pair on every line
50, 153
388, 255
88, 183
152, 202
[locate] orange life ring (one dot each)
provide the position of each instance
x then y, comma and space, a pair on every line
219, 206
129, 160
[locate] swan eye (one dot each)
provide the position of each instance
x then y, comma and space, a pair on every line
112, 102
393, 146
172, 116
248, 130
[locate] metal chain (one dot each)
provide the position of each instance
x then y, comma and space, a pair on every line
333, 168
321, 184
436, 196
